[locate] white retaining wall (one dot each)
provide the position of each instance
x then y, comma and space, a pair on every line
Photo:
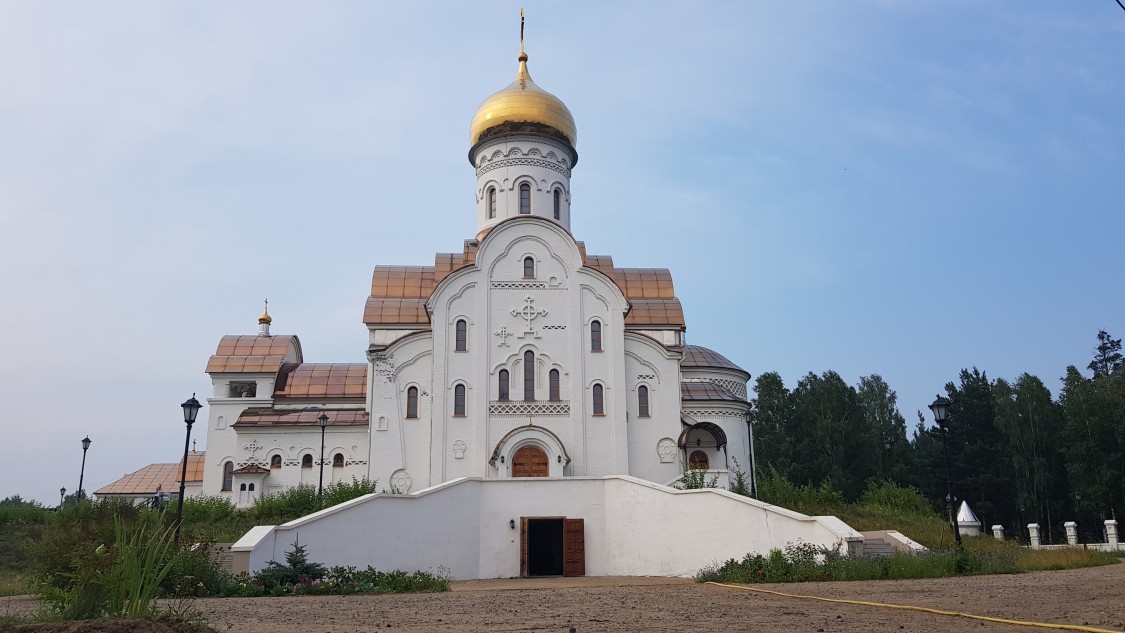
632, 528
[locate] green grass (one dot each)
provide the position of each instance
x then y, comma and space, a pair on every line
15, 584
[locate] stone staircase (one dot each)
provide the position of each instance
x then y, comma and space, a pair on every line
887, 543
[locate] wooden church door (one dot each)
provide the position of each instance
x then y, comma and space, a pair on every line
574, 547
530, 461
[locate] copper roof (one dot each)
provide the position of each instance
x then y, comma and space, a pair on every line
196, 462
144, 481
323, 380
252, 353
645, 283
265, 417
706, 391
696, 356
415, 282
655, 312
395, 311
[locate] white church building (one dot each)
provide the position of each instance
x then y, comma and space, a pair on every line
524, 404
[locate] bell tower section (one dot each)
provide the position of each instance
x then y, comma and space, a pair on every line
523, 140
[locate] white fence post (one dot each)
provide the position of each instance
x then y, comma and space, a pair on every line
1111, 532
998, 532
1033, 530
1071, 532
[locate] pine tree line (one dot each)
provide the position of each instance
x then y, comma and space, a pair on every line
1017, 454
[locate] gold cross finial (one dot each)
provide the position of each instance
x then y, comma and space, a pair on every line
521, 29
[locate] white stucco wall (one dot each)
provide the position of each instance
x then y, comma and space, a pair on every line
632, 528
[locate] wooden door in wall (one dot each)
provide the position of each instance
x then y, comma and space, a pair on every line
574, 547
530, 461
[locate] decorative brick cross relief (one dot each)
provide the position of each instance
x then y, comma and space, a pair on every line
503, 333
529, 313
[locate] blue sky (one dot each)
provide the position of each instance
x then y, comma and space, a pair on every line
881, 186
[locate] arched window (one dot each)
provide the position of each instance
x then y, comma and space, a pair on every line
698, 461
529, 268
504, 387
242, 488
412, 402
599, 400
554, 384
228, 475
275, 461
306, 461
251, 487
338, 460
525, 198
529, 375
491, 202
459, 401
595, 336
642, 401
558, 203
462, 336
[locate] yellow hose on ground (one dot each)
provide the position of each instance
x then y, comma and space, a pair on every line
1044, 625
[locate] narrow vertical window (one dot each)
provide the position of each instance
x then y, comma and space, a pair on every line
412, 402
504, 387
558, 203
306, 461
491, 202
554, 384
462, 336
525, 198
275, 461
599, 400
642, 401
459, 401
228, 475
529, 268
337, 461
595, 336
529, 375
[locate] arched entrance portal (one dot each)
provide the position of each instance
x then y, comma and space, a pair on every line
530, 461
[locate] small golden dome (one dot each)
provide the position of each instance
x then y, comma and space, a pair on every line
265, 318
523, 102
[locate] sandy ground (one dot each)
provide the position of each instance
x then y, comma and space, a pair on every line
1092, 597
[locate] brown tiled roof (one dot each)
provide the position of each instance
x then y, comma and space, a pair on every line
264, 417
196, 462
397, 282
323, 380
251, 469
706, 391
696, 356
252, 353
144, 481
395, 311
645, 283
655, 312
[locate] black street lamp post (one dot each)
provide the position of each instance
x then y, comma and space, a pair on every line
191, 410
323, 419
82, 475
940, 407
62, 495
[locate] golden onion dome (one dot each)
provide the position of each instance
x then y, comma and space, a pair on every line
265, 318
523, 102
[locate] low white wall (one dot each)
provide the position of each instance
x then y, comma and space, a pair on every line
632, 528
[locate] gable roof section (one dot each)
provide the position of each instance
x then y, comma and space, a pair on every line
267, 417
322, 380
143, 481
399, 293
252, 353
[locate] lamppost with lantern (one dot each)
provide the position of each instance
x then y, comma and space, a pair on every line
323, 419
191, 409
82, 474
940, 408
62, 496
